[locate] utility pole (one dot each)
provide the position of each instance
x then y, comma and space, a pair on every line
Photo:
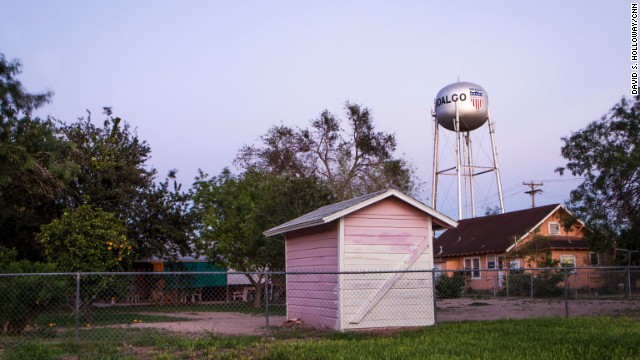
533, 191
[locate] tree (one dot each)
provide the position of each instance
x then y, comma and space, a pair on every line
47, 167
605, 153
607, 156
115, 177
113, 160
166, 227
234, 211
350, 162
34, 164
89, 239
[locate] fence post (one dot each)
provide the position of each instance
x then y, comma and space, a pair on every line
531, 282
566, 295
77, 307
506, 278
433, 293
266, 300
496, 280
629, 282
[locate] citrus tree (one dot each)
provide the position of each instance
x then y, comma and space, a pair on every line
89, 239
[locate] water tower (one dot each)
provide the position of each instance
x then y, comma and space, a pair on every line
462, 108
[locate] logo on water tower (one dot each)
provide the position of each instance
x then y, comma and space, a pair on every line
475, 95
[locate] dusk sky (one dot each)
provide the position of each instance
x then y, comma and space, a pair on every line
198, 79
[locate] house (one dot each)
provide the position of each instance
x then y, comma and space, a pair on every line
385, 230
517, 239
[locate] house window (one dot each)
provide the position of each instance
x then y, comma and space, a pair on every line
568, 261
472, 267
594, 259
491, 261
554, 228
437, 270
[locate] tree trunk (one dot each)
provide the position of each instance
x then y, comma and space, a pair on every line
88, 312
257, 285
257, 302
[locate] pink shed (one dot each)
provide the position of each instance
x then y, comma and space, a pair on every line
382, 231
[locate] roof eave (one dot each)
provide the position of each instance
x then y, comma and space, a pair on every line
282, 230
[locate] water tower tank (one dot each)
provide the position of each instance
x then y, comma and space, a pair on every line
472, 103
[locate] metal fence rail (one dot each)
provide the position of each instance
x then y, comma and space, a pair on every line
98, 306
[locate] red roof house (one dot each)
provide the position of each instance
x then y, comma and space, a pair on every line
492, 243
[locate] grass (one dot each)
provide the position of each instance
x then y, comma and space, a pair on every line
541, 338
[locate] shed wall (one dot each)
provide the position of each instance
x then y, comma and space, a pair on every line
387, 235
313, 297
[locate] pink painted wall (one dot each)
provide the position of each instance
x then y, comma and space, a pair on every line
381, 235
310, 297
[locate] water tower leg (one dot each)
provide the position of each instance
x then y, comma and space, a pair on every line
495, 162
458, 166
470, 169
434, 187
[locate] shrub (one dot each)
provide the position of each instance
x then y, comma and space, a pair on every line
23, 298
546, 283
449, 287
519, 283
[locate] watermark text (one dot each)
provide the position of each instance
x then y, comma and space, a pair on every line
634, 48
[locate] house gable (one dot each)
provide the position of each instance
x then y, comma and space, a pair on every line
498, 233
544, 227
329, 213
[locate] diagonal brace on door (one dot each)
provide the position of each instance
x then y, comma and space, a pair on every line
374, 298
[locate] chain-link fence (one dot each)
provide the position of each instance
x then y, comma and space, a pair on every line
99, 306
480, 294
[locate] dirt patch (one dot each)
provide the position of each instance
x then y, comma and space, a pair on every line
518, 308
463, 309
214, 322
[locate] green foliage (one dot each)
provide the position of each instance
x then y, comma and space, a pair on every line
87, 239
545, 283
34, 168
536, 252
48, 166
117, 179
23, 298
233, 211
606, 154
450, 287
350, 162
519, 283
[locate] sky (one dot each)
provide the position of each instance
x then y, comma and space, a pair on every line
200, 79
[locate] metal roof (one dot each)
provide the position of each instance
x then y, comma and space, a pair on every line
335, 211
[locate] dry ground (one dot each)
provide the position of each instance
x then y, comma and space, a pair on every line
229, 323
517, 308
